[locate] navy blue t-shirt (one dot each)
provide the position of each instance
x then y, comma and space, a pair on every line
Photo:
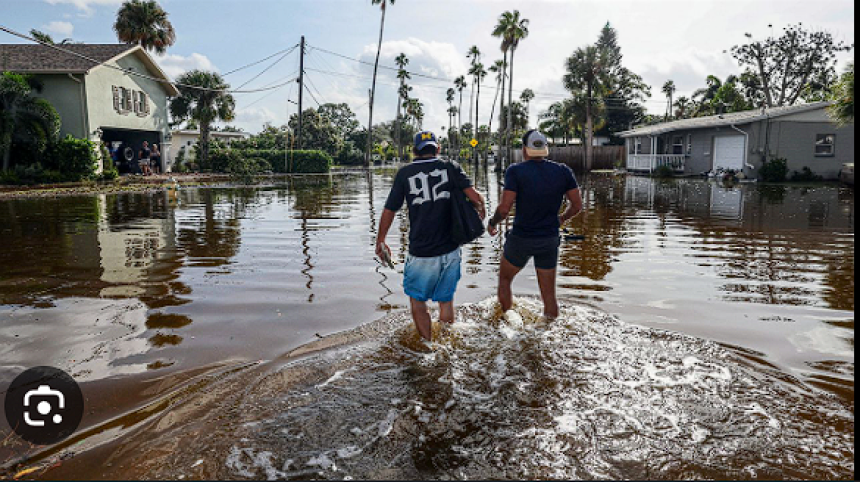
540, 187
426, 186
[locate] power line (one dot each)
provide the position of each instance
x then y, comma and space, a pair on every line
282, 57
261, 60
129, 71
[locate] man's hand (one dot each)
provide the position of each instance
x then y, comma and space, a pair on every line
493, 230
382, 250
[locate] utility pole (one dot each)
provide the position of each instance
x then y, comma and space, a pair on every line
301, 87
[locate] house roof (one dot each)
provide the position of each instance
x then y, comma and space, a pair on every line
734, 118
41, 59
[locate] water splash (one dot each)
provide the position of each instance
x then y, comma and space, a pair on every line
516, 396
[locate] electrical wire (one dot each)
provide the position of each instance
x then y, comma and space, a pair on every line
260, 61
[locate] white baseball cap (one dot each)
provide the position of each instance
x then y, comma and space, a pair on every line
536, 144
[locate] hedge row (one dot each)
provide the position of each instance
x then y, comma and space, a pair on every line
277, 160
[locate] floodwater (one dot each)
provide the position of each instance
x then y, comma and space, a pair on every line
235, 332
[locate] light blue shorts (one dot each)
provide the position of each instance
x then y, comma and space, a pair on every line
432, 278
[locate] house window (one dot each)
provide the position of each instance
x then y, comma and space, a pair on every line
677, 145
637, 146
689, 144
825, 145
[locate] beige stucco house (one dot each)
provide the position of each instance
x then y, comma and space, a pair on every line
114, 93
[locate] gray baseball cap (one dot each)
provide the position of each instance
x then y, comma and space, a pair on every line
536, 144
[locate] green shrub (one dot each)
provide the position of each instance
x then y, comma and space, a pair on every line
774, 170
663, 171
805, 175
31, 174
349, 155
278, 160
75, 158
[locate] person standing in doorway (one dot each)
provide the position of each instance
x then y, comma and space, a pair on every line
538, 187
143, 159
433, 267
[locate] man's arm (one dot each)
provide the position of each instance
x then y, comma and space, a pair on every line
504, 209
384, 226
574, 206
477, 201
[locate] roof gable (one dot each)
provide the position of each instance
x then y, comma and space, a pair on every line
41, 59
734, 118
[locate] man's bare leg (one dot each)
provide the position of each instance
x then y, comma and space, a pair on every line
546, 281
446, 311
507, 272
421, 317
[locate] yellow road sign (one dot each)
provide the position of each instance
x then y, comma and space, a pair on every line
474, 142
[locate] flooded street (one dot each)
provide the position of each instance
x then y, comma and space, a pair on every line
236, 332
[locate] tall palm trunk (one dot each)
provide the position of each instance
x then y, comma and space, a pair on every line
477, 131
397, 120
373, 91
204, 143
502, 113
493, 109
510, 107
459, 122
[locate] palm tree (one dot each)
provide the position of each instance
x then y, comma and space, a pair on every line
23, 117
526, 97
473, 55
587, 78
513, 29
44, 38
682, 107
460, 84
480, 74
401, 61
207, 103
382, 6
145, 23
499, 69
669, 89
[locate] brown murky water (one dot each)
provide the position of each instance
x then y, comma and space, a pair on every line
708, 332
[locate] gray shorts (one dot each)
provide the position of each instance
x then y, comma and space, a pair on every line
519, 250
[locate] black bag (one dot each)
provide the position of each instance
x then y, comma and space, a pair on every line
466, 223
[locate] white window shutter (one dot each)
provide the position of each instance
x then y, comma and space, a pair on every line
145, 103
116, 105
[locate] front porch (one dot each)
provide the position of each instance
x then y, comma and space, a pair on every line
671, 151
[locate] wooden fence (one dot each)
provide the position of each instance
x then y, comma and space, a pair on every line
605, 157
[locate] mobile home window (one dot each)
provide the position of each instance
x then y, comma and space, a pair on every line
677, 144
637, 146
825, 144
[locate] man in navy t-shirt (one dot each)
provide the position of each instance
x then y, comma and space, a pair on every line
432, 270
538, 187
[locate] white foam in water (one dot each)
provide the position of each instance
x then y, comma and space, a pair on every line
582, 396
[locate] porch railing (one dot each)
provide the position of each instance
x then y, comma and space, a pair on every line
649, 162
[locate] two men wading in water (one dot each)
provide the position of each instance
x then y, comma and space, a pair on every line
537, 186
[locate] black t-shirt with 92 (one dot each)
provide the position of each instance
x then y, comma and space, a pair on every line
426, 188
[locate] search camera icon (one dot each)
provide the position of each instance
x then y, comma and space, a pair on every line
44, 405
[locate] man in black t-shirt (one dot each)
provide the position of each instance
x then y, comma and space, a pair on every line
538, 187
433, 266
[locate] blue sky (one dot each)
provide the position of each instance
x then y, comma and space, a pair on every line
679, 40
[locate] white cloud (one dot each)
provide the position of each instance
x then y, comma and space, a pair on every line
175, 65
253, 118
64, 29
85, 6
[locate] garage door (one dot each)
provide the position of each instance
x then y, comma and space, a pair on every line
729, 152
